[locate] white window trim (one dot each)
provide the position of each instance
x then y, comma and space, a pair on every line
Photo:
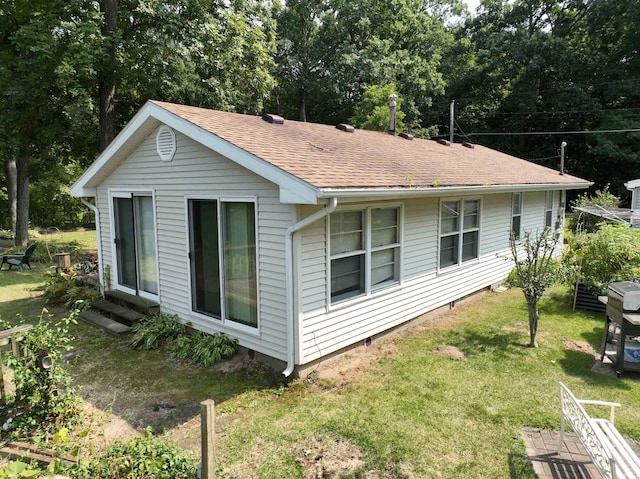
128, 193
520, 215
223, 321
368, 289
548, 209
459, 233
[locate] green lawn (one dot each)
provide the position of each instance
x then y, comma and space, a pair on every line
411, 413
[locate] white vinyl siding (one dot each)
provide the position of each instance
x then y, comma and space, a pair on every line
325, 330
196, 171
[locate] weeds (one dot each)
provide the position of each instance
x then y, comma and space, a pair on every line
43, 399
69, 289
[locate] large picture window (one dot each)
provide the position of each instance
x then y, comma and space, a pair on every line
459, 231
364, 249
223, 260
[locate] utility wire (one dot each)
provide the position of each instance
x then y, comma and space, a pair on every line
527, 133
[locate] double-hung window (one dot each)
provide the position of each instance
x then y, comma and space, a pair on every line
459, 231
364, 251
223, 260
516, 215
548, 209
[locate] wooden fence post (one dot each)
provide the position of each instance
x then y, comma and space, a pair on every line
208, 435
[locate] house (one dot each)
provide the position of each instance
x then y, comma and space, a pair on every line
302, 239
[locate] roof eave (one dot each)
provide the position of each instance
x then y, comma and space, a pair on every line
371, 193
292, 189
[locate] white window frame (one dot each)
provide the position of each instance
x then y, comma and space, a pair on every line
517, 234
223, 320
366, 251
548, 209
460, 232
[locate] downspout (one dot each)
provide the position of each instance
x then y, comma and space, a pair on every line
291, 317
96, 212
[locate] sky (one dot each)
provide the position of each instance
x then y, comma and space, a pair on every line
472, 4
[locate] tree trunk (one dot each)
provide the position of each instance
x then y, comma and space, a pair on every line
107, 75
534, 317
11, 176
303, 110
22, 197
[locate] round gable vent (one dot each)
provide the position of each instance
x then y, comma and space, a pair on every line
166, 143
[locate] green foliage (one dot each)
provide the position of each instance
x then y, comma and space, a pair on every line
43, 399
535, 270
204, 349
372, 113
587, 222
19, 469
612, 253
69, 289
143, 457
151, 332
200, 348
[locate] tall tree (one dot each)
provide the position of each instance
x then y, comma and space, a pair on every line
338, 48
40, 72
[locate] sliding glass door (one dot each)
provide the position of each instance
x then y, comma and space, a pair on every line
223, 260
135, 244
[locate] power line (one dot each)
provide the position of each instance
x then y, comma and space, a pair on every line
583, 132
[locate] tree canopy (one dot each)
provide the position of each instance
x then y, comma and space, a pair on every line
525, 75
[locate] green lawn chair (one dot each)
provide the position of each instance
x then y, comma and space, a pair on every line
18, 259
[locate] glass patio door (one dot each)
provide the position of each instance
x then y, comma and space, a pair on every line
135, 244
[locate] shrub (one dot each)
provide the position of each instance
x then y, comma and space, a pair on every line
587, 222
612, 253
153, 331
69, 289
204, 349
143, 457
43, 399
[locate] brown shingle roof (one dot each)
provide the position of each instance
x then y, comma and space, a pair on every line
326, 157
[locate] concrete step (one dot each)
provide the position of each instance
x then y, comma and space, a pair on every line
117, 312
107, 324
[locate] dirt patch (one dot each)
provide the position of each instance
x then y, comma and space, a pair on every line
450, 352
580, 347
328, 457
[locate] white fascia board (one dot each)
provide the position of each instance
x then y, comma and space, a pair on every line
630, 185
292, 189
130, 136
372, 193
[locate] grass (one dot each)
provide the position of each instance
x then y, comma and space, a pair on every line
411, 413
435, 417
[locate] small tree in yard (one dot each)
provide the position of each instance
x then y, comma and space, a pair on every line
535, 271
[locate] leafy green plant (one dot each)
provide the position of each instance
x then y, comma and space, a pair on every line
611, 253
153, 331
43, 398
142, 457
19, 469
587, 222
535, 271
69, 289
204, 349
